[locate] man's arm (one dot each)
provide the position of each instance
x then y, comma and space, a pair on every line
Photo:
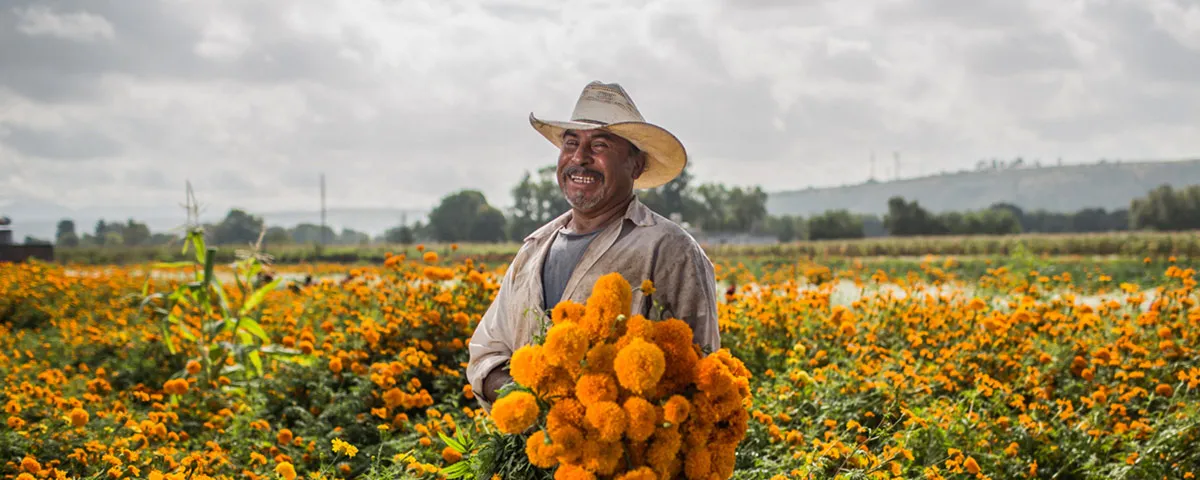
686, 283
491, 347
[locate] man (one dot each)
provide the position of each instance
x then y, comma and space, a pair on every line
606, 151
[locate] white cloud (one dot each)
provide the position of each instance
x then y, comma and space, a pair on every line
79, 26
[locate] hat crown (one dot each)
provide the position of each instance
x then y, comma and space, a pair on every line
605, 103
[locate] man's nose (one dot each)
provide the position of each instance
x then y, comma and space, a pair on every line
582, 155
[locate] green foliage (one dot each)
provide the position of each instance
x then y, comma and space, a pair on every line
466, 216
535, 202
1167, 209
836, 224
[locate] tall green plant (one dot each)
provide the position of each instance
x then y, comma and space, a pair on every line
205, 296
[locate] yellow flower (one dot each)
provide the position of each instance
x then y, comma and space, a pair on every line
639, 366
515, 412
341, 446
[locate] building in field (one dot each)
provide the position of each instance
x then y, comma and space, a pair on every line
11, 252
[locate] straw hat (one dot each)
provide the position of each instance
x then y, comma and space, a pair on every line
606, 106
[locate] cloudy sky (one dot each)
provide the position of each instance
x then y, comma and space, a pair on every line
116, 103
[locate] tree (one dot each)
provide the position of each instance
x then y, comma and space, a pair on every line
1166, 209
277, 236
237, 227
906, 219
673, 197
535, 202
835, 224
463, 215
64, 235
489, 226
402, 234
134, 233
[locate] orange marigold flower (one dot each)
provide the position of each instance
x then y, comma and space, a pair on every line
698, 463
647, 287
971, 465
640, 419
286, 470
611, 297
541, 452
596, 387
430, 257
639, 366
569, 471
284, 437
529, 366
450, 455
713, 377
1163, 390
566, 344
568, 411
676, 409
26, 476
642, 473
567, 311
600, 358
31, 465
515, 412
607, 419
79, 417
335, 365
193, 367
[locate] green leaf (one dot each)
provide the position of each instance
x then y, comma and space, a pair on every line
459, 447
253, 327
256, 361
186, 333
168, 341
258, 296
245, 337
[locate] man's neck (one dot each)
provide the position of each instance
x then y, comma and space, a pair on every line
587, 223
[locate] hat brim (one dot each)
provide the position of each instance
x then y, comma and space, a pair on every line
665, 155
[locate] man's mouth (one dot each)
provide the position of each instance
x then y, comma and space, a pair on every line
583, 177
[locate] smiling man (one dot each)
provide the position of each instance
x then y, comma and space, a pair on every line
606, 152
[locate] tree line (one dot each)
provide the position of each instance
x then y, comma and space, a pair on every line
467, 216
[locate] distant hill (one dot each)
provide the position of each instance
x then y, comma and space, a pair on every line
1056, 189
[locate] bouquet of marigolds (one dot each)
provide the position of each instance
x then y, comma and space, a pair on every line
606, 394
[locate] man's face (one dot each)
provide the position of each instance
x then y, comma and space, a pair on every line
596, 169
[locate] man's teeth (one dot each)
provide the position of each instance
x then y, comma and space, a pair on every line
582, 179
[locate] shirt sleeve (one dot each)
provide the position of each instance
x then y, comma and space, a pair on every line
685, 283
491, 343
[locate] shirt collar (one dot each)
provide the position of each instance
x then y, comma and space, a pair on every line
637, 212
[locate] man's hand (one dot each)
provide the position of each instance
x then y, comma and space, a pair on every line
495, 380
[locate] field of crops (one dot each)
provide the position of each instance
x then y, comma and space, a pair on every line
1019, 370
1128, 244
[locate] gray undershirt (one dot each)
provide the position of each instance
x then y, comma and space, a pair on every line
564, 254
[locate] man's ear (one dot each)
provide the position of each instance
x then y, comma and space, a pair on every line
639, 164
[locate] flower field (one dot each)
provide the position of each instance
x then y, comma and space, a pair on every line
216, 371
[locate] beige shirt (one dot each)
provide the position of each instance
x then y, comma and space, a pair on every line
643, 245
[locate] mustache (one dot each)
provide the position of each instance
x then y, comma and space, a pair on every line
577, 170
